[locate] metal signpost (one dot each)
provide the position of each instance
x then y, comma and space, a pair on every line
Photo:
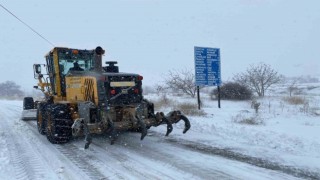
207, 69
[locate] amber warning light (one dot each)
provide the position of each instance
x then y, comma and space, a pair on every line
75, 52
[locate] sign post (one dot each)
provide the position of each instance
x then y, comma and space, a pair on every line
207, 69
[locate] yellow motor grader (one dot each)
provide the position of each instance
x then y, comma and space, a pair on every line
82, 97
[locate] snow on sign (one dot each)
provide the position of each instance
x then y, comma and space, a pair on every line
207, 66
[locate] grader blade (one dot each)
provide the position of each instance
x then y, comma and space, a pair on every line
30, 114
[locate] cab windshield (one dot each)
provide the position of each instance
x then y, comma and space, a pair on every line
70, 61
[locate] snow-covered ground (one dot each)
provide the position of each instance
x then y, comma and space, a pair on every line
286, 136
284, 144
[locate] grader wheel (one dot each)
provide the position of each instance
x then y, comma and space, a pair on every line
41, 118
59, 124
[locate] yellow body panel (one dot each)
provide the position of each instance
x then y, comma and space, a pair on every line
57, 87
57, 70
81, 88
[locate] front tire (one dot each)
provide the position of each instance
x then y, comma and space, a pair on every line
41, 118
59, 124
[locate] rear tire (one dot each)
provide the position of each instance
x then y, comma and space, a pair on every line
59, 124
28, 103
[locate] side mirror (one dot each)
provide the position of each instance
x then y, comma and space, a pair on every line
37, 71
37, 68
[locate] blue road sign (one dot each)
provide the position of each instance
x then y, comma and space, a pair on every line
207, 66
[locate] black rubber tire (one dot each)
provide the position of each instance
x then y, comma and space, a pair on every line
28, 103
41, 118
59, 124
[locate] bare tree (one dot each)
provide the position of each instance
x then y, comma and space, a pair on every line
259, 78
10, 89
183, 81
160, 89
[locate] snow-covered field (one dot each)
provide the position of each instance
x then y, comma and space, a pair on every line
284, 144
286, 136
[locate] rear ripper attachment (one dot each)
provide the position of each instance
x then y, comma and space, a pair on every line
82, 97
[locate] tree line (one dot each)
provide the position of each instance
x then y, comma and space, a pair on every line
257, 78
10, 89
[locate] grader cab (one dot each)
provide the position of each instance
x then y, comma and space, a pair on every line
82, 97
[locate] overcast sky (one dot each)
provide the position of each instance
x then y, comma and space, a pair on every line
150, 37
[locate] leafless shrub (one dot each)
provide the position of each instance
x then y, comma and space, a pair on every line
183, 81
295, 100
160, 89
259, 78
255, 105
242, 118
233, 91
190, 109
164, 101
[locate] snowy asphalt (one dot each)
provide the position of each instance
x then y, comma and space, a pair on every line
25, 154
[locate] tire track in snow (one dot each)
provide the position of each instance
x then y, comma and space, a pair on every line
22, 156
27, 165
88, 163
168, 159
123, 161
78, 156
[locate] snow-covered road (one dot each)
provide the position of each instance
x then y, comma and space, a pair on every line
25, 154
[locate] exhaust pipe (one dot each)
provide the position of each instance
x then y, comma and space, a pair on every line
97, 59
